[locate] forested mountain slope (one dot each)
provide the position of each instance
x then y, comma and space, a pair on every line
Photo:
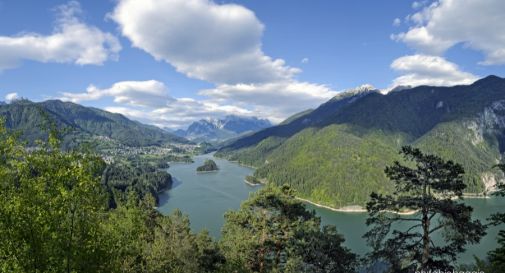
78, 123
336, 153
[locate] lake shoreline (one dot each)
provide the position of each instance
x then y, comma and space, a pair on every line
203, 172
346, 209
352, 208
252, 184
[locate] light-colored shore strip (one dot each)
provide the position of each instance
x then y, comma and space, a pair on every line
477, 196
357, 209
252, 184
352, 209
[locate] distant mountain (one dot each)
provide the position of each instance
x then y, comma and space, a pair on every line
78, 123
305, 119
336, 154
222, 129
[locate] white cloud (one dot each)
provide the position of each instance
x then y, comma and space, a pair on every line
305, 60
477, 24
179, 113
429, 70
203, 40
11, 97
274, 100
220, 44
418, 4
72, 41
136, 93
150, 102
397, 22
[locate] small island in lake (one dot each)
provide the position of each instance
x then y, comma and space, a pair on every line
252, 180
208, 166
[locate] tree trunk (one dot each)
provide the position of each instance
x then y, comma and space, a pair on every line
426, 240
426, 231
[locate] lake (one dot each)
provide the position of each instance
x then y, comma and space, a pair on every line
206, 197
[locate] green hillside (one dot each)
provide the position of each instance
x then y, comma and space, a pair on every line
79, 123
336, 154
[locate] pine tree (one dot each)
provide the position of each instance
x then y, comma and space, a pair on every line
273, 232
428, 186
497, 256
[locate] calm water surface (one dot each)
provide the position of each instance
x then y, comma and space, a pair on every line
206, 197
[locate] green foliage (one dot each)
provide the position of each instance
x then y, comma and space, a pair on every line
273, 232
54, 218
252, 156
142, 240
428, 188
497, 257
208, 166
141, 178
204, 148
80, 124
331, 166
253, 180
335, 154
459, 143
51, 208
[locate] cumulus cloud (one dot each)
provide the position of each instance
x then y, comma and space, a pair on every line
11, 97
429, 70
72, 41
203, 40
477, 24
275, 99
179, 113
149, 101
220, 44
136, 93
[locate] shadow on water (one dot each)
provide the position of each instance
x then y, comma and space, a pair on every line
175, 183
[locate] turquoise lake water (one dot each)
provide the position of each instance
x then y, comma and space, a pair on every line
206, 197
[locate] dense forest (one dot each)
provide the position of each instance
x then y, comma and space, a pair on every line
121, 178
78, 123
55, 216
335, 155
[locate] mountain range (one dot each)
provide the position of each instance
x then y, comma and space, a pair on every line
78, 123
231, 126
336, 154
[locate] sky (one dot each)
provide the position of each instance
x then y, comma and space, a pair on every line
172, 62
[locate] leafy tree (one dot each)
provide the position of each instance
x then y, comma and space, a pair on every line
273, 232
497, 257
143, 240
141, 178
427, 185
54, 217
50, 209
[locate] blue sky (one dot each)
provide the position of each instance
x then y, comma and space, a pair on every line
170, 62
